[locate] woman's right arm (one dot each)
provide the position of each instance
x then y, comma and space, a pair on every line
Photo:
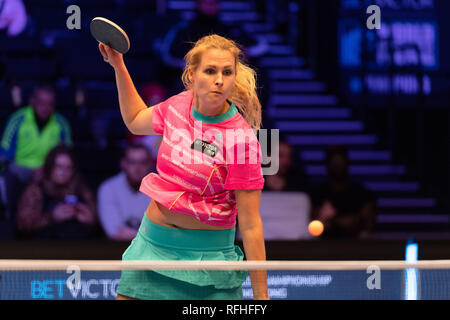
135, 113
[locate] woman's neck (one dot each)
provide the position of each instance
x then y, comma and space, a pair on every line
210, 111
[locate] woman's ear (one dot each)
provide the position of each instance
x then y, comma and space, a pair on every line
190, 75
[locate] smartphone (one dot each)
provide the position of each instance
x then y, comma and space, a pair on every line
71, 198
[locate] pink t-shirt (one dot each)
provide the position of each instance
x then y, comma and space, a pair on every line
201, 161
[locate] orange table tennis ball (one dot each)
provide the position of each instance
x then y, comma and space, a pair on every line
315, 227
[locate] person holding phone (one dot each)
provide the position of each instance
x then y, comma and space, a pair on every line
58, 205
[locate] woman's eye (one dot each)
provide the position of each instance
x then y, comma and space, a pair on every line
228, 72
209, 71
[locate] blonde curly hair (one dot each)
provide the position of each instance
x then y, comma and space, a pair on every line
243, 94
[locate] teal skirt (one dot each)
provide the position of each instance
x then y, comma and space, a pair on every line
157, 242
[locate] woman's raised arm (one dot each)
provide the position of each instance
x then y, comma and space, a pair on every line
135, 113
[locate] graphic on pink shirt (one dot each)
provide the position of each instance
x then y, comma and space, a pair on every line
200, 164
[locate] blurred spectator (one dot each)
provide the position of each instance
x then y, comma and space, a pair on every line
13, 17
152, 94
181, 36
30, 133
289, 176
121, 205
59, 205
345, 207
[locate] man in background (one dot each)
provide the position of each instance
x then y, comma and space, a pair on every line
30, 133
121, 205
345, 207
180, 37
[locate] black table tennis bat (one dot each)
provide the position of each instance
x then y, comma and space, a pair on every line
109, 33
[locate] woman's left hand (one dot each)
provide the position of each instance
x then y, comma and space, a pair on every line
84, 214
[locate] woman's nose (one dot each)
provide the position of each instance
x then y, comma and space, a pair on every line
219, 80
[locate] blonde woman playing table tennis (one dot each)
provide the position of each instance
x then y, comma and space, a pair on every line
195, 204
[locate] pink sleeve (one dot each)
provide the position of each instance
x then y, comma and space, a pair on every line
245, 172
158, 118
